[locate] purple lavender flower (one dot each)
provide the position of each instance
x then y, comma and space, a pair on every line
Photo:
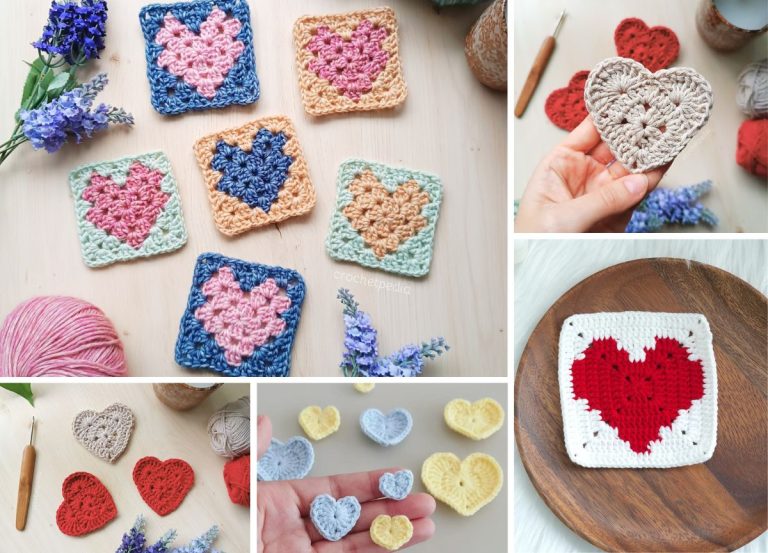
672, 206
75, 30
361, 344
134, 541
408, 361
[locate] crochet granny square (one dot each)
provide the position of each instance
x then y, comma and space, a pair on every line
385, 217
638, 389
127, 208
349, 62
256, 174
241, 317
199, 55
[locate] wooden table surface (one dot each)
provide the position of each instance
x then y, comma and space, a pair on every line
738, 198
159, 431
449, 125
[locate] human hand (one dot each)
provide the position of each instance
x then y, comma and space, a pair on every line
283, 509
579, 187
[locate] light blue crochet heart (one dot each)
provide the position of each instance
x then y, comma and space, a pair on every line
386, 430
334, 519
286, 461
396, 485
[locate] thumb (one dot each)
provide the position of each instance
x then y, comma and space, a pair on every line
615, 197
263, 435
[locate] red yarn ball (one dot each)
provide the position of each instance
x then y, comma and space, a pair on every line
752, 147
237, 477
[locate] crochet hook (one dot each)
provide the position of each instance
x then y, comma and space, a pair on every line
539, 64
25, 481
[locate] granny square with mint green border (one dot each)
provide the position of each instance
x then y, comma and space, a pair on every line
100, 248
412, 257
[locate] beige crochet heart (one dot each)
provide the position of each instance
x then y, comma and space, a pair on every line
646, 118
104, 434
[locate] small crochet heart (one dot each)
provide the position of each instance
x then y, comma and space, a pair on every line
645, 118
106, 433
386, 430
364, 387
477, 420
291, 460
87, 505
319, 423
202, 60
391, 533
334, 518
654, 47
396, 485
163, 485
466, 485
565, 106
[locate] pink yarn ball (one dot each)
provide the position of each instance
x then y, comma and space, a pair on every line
59, 336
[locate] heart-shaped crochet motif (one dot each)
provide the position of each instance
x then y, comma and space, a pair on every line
291, 460
202, 60
638, 398
565, 106
466, 485
477, 420
319, 423
391, 533
386, 430
163, 485
87, 505
655, 47
646, 118
334, 519
105, 434
241, 321
350, 64
396, 485
127, 212
385, 219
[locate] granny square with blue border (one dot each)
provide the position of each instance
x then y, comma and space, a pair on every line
241, 317
199, 55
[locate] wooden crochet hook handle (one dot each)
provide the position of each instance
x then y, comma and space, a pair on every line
25, 482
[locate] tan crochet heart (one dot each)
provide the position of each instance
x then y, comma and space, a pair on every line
105, 434
646, 118
385, 219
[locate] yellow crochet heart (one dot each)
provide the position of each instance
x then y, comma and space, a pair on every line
364, 387
476, 420
319, 423
466, 485
391, 533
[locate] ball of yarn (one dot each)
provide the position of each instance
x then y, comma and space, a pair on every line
752, 96
59, 336
237, 478
752, 147
230, 429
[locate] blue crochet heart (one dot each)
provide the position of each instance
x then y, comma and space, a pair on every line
286, 461
396, 485
386, 430
334, 519
255, 177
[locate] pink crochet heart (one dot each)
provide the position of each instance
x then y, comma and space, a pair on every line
127, 212
203, 60
241, 321
351, 65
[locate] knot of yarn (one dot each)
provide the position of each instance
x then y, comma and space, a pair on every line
752, 96
230, 429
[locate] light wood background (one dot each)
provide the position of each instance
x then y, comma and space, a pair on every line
449, 125
160, 432
739, 199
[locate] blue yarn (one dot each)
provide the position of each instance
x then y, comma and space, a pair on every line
386, 430
291, 460
334, 519
396, 485
196, 348
241, 85
255, 177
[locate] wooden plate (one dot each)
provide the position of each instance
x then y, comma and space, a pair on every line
716, 506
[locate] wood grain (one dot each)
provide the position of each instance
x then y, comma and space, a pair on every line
716, 506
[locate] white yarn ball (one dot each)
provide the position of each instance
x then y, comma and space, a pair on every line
230, 429
753, 89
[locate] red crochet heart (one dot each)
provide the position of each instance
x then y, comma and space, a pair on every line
655, 47
565, 106
163, 485
87, 505
638, 398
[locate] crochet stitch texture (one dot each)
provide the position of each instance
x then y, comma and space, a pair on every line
349, 62
127, 208
478, 420
319, 423
163, 485
391, 533
396, 485
334, 518
638, 389
241, 317
385, 217
199, 55
466, 486
87, 505
105, 434
386, 429
255, 174
291, 460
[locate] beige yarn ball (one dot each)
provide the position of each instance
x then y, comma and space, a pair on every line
752, 96
230, 429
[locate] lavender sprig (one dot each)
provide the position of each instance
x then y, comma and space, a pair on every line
74, 30
672, 206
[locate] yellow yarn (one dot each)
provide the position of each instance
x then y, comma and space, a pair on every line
319, 423
391, 533
477, 420
466, 485
364, 387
